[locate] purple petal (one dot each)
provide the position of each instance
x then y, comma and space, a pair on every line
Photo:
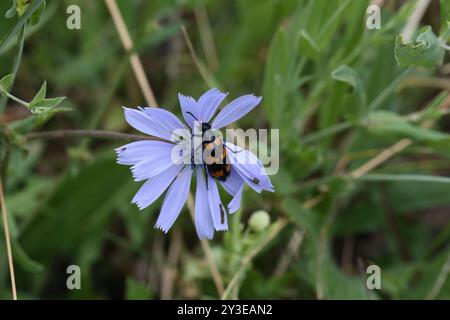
235, 110
249, 167
175, 199
153, 164
235, 203
165, 119
203, 219
137, 151
218, 211
209, 102
154, 187
233, 183
146, 124
188, 104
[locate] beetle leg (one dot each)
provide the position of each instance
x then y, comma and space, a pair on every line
206, 176
233, 151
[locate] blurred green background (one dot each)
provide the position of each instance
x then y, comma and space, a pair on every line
333, 87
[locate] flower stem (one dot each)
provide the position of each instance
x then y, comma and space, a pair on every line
20, 101
8, 241
101, 134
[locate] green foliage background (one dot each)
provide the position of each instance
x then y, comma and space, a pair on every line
334, 89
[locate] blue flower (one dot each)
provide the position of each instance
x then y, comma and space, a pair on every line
151, 161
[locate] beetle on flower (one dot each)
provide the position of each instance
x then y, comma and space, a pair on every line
153, 161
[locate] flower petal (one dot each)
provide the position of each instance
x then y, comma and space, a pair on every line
203, 219
154, 187
165, 119
153, 164
235, 110
249, 167
209, 102
218, 211
188, 104
137, 151
146, 124
175, 199
233, 182
235, 203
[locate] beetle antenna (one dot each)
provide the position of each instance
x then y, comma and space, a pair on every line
214, 115
190, 113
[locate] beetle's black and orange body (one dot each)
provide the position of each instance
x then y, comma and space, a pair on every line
215, 162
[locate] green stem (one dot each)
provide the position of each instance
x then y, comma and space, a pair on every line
17, 61
376, 103
20, 101
22, 20
404, 178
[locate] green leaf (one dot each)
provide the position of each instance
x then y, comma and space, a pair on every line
308, 46
45, 107
42, 106
11, 11
41, 94
351, 77
425, 52
277, 67
24, 261
18, 26
36, 16
6, 82
389, 123
49, 103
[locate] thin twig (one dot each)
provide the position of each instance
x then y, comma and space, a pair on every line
127, 43
291, 252
382, 157
169, 274
426, 82
206, 37
278, 226
414, 19
194, 57
441, 279
101, 134
8, 241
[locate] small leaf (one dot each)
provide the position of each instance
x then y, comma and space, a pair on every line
36, 16
425, 52
50, 103
6, 82
308, 46
11, 11
351, 77
40, 95
43, 107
